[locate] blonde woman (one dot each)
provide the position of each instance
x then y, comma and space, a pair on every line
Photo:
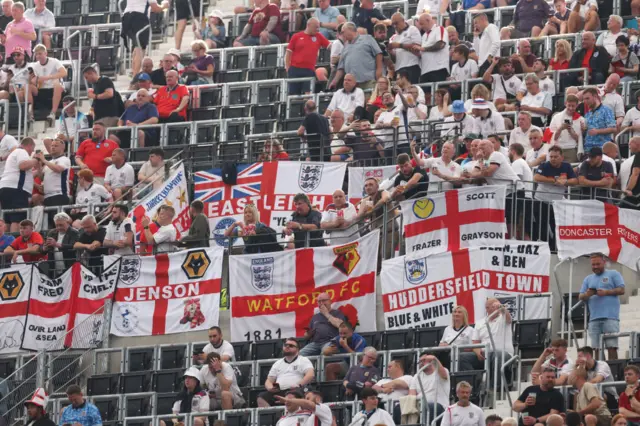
459, 332
383, 85
247, 227
200, 70
562, 57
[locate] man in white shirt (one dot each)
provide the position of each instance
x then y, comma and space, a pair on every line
389, 120
434, 380
153, 170
486, 40
505, 83
521, 133
120, 231
402, 43
610, 97
547, 84
16, 184
164, 238
218, 345
627, 165
495, 168
292, 371
120, 176
567, 129
371, 415
441, 169
317, 413
434, 62
55, 175
607, 39
346, 99
555, 357
459, 123
222, 383
463, 412
487, 121
394, 386
632, 117
69, 122
522, 169
49, 72
539, 150
536, 102
339, 220
7, 144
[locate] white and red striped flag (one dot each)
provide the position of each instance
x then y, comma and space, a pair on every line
591, 226
14, 300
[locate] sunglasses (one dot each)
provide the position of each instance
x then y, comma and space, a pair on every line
289, 345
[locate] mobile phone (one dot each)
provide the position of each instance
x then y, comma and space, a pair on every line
567, 121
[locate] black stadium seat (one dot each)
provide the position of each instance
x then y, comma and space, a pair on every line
103, 384
372, 338
168, 380
136, 406
140, 359
244, 373
332, 391
238, 418
397, 339
135, 382
241, 350
7, 366
268, 418
531, 336
108, 409
172, 356
428, 337
165, 402
263, 372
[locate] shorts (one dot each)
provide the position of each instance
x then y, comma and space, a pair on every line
269, 397
132, 23
57, 200
12, 198
600, 326
43, 99
183, 12
255, 41
215, 403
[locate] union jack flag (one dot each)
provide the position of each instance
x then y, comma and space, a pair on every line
210, 187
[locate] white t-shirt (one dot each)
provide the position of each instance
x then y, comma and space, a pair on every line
323, 415
631, 118
120, 177
511, 85
532, 155
7, 144
464, 127
539, 100
385, 135
432, 5
19, 77
564, 370
546, 85
504, 173
73, 124
347, 102
487, 44
522, 169
456, 415
607, 40
431, 382
501, 331
611, 161
397, 393
294, 419
434, 61
13, 177
435, 113
117, 232
346, 235
452, 169
464, 72
156, 173
132, 97
137, 5
494, 123
199, 404
336, 49
290, 374
565, 141
413, 116
164, 237
379, 417
614, 101
520, 136
213, 384
93, 194
583, 8
465, 336
50, 67
405, 58
625, 172
225, 348
57, 183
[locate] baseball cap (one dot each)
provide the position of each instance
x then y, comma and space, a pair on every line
143, 76
471, 136
595, 151
39, 398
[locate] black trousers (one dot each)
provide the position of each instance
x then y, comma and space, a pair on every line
434, 76
414, 73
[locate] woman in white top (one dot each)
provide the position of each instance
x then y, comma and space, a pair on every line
441, 108
459, 332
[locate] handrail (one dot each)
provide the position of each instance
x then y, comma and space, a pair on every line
64, 123
26, 101
146, 27
505, 388
570, 325
557, 279
75, 88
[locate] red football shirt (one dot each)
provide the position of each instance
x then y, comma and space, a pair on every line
94, 153
304, 49
260, 18
168, 100
20, 244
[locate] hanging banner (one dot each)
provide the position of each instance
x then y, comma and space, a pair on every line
357, 176
591, 226
168, 293
74, 301
421, 290
270, 186
274, 295
15, 282
455, 219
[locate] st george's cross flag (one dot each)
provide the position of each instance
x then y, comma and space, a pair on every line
274, 294
591, 226
15, 282
455, 219
168, 293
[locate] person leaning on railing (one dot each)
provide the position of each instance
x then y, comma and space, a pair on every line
199, 231
28, 245
60, 242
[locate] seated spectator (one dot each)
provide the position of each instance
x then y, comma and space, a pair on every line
273, 151
88, 193
323, 327
539, 150
292, 371
598, 371
59, 244
479, 91
141, 113
624, 63
394, 386
345, 342
600, 120
315, 131
5, 239
536, 102
487, 121
540, 401
346, 99
363, 375
55, 175
329, 18
305, 223
596, 58
107, 105
562, 56
200, 70
147, 68
363, 141
214, 33
464, 409
216, 344
263, 27
433, 383
172, 100
119, 236
628, 402
71, 120
557, 23
371, 413
164, 238
192, 398
49, 74
90, 243
594, 174
158, 76
361, 57
610, 97
80, 411
529, 18
29, 245
153, 170
18, 77
440, 109
20, 32
464, 68
410, 180
459, 122
505, 83
375, 100
388, 123
199, 232
339, 220
120, 177
608, 39
16, 184
554, 358
546, 83
339, 151
584, 16
522, 61
220, 379
617, 420
521, 133
589, 403
567, 128
416, 111
143, 81
459, 332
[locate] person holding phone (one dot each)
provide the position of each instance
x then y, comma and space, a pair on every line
567, 129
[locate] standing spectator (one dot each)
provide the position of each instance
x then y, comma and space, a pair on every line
521, 133
487, 121
595, 58
5, 239
49, 74
346, 342
402, 43
539, 150
141, 113
199, 232
584, 16
464, 411
16, 184
371, 414
434, 381
410, 180
302, 55
567, 128
595, 173
608, 39
91, 243
172, 99
59, 244
366, 16
486, 41
555, 358
361, 57
71, 120
7, 145
119, 235
601, 291
363, 375
153, 170
557, 24
28, 245
95, 154
340, 220
600, 120
540, 401
292, 371
214, 33
628, 402
505, 84
20, 32
88, 193
528, 19
107, 105
192, 398
134, 28
263, 27
434, 63
589, 403
6, 16
316, 129
442, 169
164, 238
200, 70
610, 97
329, 18
41, 18
323, 327
81, 411
55, 175
222, 383
536, 102
305, 223
625, 63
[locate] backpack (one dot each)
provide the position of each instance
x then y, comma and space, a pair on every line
229, 173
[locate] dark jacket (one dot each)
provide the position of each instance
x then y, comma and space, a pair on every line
44, 421
69, 254
599, 62
199, 233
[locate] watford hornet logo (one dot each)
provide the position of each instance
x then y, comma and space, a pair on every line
11, 285
347, 257
196, 264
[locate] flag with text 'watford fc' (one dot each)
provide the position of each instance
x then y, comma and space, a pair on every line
274, 295
591, 226
421, 290
455, 219
168, 293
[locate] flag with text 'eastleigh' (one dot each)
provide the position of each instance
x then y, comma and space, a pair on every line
168, 293
591, 226
274, 295
421, 290
455, 219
